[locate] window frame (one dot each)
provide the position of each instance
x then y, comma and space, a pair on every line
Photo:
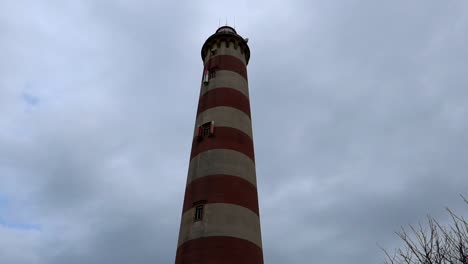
211, 74
198, 212
206, 129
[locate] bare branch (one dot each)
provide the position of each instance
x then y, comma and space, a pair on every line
432, 243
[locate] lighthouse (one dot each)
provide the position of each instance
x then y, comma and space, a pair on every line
220, 217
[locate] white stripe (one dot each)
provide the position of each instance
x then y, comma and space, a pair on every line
222, 161
220, 219
225, 116
226, 51
228, 79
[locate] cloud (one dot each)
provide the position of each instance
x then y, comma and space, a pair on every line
358, 115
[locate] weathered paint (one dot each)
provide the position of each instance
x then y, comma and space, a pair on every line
216, 250
220, 219
227, 62
222, 161
224, 49
230, 40
222, 165
225, 117
227, 79
224, 97
221, 189
225, 138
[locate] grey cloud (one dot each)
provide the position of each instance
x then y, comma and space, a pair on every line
358, 112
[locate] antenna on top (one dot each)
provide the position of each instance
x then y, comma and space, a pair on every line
219, 22
226, 21
234, 22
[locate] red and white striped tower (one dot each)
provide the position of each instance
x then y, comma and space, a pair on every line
220, 216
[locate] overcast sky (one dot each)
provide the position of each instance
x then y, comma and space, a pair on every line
359, 112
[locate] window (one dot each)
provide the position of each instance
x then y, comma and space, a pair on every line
206, 130
198, 212
212, 74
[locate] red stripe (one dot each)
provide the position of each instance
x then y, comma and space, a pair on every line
215, 250
224, 138
227, 62
224, 97
221, 189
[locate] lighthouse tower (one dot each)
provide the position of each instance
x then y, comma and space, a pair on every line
220, 217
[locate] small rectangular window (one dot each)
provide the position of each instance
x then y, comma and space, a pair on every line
206, 131
198, 212
212, 74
